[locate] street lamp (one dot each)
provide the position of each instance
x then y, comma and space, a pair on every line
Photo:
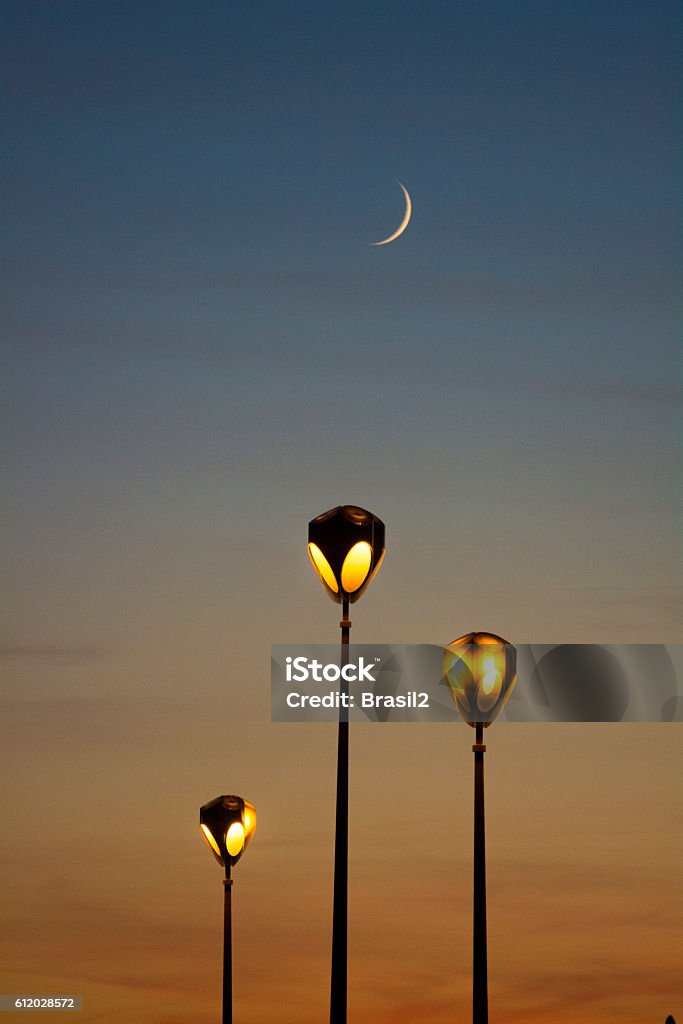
346, 547
481, 669
227, 824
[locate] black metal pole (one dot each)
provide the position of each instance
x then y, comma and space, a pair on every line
480, 1003
227, 946
341, 846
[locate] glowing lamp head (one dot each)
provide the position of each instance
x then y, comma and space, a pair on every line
481, 669
346, 547
227, 824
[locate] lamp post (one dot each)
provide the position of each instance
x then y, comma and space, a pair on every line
346, 547
227, 824
481, 669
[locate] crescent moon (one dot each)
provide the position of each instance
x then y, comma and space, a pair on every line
404, 223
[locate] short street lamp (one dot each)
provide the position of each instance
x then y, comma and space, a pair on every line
227, 824
481, 669
346, 547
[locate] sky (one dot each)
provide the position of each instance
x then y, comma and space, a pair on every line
201, 352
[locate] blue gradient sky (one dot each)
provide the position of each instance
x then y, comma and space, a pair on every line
201, 352
195, 316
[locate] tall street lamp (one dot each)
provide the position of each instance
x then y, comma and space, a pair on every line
227, 824
346, 547
481, 669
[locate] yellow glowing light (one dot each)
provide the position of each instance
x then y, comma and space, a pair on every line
356, 566
491, 676
249, 819
234, 838
322, 567
210, 840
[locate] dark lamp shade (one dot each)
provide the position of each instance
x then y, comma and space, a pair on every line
227, 824
481, 670
346, 547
